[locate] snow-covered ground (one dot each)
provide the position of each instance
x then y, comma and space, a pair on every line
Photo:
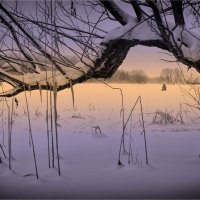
89, 161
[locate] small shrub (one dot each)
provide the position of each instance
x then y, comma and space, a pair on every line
163, 118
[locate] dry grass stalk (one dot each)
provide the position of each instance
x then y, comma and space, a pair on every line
10, 122
130, 151
47, 125
2, 122
51, 124
47, 110
31, 136
2, 151
144, 132
122, 141
9, 139
56, 126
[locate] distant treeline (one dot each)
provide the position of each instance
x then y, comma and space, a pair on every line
167, 75
134, 76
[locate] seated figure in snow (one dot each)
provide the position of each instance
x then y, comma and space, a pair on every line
164, 87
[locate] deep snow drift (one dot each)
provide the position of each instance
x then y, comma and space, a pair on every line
89, 161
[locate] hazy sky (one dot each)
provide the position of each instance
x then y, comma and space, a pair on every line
147, 59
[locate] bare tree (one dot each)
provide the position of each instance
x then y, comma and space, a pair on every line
49, 29
138, 76
168, 76
134, 76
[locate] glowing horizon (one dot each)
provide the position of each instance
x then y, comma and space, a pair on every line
149, 59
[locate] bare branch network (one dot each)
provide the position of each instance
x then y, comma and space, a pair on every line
48, 44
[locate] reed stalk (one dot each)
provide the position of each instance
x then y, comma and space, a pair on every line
56, 127
3, 151
9, 140
31, 136
144, 132
2, 122
47, 125
51, 122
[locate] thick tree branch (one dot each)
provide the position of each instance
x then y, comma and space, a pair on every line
137, 9
117, 12
10, 79
158, 19
105, 66
178, 12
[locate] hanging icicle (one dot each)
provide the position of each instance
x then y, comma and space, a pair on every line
40, 89
16, 102
29, 89
72, 91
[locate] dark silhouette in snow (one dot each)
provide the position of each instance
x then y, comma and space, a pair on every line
164, 87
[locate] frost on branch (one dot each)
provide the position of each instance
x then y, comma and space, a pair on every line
44, 43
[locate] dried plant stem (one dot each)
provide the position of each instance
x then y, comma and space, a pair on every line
130, 152
3, 151
10, 114
56, 128
124, 128
31, 136
144, 132
9, 140
131, 112
47, 123
3, 114
122, 141
52, 138
10, 132
51, 103
47, 95
2, 122
55, 83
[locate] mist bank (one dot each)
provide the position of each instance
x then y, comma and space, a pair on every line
167, 76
